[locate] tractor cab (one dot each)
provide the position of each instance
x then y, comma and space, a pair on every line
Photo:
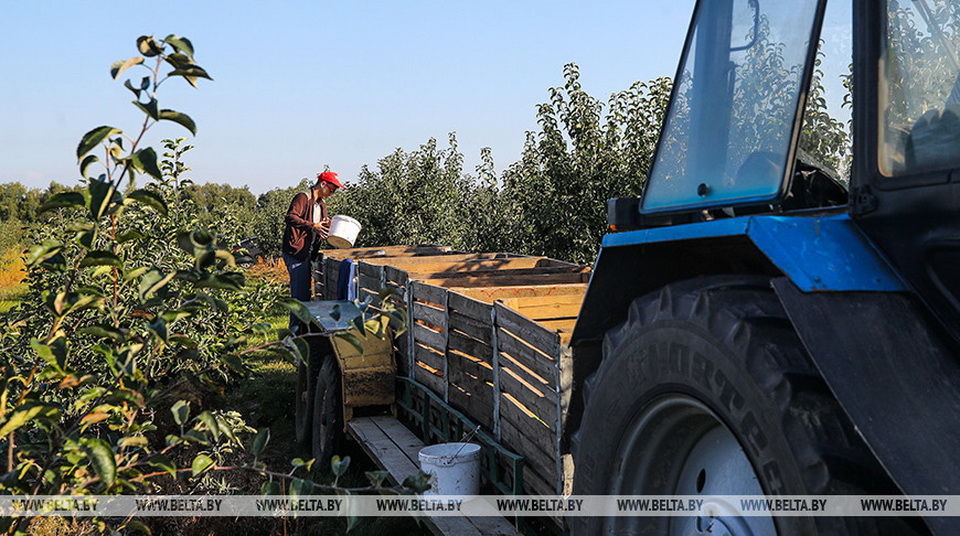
736, 139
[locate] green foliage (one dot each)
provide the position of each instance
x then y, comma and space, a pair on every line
133, 311
555, 196
412, 198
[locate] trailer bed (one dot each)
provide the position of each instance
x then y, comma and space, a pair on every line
395, 449
488, 335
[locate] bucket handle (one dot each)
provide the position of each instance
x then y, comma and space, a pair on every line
466, 437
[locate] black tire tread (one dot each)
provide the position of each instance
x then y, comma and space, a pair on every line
742, 313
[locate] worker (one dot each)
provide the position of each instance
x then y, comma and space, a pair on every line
307, 224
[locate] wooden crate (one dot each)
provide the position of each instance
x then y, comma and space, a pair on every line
489, 336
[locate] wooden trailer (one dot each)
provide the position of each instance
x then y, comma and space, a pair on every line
488, 339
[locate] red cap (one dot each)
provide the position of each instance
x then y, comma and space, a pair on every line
331, 177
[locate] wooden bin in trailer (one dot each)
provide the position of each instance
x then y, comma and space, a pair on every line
489, 335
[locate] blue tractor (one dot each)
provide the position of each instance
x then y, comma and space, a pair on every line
759, 327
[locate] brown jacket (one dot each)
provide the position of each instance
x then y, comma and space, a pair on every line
299, 232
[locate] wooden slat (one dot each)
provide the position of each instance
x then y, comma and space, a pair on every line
528, 331
446, 265
385, 251
494, 273
396, 450
536, 459
428, 337
565, 324
482, 330
384, 450
429, 357
428, 293
468, 345
526, 355
480, 369
489, 294
469, 383
478, 404
537, 432
370, 283
521, 303
469, 307
542, 402
550, 312
423, 260
433, 382
367, 269
504, 279
429, 314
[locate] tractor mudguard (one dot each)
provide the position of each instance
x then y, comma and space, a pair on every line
894, 376
818, 252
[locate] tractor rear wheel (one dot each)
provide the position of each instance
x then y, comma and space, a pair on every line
707, 390
303, 407
327, 413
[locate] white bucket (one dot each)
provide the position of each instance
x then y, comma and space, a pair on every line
343, 231
454, 468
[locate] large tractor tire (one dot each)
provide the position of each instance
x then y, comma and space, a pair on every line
327, 413
707, 390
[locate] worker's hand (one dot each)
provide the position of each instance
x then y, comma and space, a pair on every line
323, 230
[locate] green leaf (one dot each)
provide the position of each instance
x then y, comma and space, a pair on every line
135, 273
339, 466
122, 65
260, 441
270, 488
227, 281
148, 46
352, 340
150, 198
201, 463
22, 416
130, 235
43, 251
101, 458
181, 412
181, 44
149, 108
103, 331
191, 74
94, 137
180, 118
101, 193
211, 423
159, 328
297, 308
153, 281
90, 159
301, 487
136, 91
164, 464
100, 258
376, 478
63, 200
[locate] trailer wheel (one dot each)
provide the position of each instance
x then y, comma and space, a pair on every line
706, 390
303, 408
327, 413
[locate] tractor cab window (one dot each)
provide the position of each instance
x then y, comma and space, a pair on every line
920, 87
733, 114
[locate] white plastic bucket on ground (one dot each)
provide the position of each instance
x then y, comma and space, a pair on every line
454, 468
343, 231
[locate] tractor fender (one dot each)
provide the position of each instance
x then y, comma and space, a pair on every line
817, 252
894, 373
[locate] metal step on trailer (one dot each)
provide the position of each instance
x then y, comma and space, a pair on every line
396, 449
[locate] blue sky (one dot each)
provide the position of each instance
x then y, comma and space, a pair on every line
300, 85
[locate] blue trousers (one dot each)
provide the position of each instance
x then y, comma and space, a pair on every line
299, 272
